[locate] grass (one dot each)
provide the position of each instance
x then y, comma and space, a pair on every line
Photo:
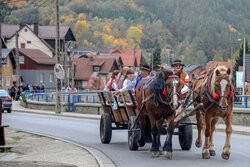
17, 138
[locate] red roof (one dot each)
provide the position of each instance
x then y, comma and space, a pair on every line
38, 56
211, 64
127, 56
84, 66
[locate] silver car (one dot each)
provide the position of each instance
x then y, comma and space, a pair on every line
6, 101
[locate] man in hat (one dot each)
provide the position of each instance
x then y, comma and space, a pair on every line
145, 71
178, 68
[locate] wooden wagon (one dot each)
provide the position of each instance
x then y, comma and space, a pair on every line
121, 112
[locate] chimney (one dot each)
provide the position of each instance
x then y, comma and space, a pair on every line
21, 25
22, 45
35, 28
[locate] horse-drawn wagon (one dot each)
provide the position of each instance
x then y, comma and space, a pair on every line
152, 112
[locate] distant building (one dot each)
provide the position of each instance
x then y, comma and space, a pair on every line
193, 71
37, 68
8, 66
93, 73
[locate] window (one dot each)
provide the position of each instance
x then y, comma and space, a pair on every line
96, 68
2, 81
51, 77
42, 77
21, 59
25, 29
7, 81
28, 41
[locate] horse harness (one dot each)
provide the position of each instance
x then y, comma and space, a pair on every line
207, 94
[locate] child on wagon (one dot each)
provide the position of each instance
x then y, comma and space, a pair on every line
112, 82
128, 82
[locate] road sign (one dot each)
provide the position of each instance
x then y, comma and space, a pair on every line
59, 71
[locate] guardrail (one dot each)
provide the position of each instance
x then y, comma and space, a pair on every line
72, 98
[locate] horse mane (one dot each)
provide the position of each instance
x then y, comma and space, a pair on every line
223, 70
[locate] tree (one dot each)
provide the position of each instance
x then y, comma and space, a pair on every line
239, 61
157, 55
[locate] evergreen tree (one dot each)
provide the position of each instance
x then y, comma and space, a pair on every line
157, 55
239, 61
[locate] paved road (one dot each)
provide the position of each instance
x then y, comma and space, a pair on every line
86, 132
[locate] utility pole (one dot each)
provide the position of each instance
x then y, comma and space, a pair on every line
58, 83
17, 60
152, 59
73, 75
1, 49
244, 68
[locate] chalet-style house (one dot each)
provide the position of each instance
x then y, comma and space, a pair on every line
37, 68
93, 73
36, 37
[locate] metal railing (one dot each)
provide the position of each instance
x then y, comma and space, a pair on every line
242, 101
70, 98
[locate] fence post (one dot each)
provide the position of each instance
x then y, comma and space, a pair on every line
68, 102
37, 97
245, 102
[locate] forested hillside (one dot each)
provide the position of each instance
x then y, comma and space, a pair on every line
197, 30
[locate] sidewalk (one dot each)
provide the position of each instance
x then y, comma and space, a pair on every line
32, 150
238, 129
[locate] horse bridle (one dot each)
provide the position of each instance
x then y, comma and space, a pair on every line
168, 97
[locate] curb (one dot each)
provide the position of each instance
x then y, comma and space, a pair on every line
101, 158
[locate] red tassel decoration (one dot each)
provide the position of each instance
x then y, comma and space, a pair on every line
215, 96
164, 92
231, 94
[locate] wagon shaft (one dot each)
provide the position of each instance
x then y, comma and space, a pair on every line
197, 108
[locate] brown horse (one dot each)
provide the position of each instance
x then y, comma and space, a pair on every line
157, 101
215, 92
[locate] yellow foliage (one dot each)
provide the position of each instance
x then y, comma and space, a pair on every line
107, 29
135, 34
14, 3
81, 25
81, 16
67, 19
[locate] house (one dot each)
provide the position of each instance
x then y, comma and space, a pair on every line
9, 64
93, 73
37, 68
130, 57
193, 71
36, 37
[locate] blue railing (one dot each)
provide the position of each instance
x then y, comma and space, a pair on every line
242, 101
70, 98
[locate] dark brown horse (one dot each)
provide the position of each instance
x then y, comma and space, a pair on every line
215, 92
158, 101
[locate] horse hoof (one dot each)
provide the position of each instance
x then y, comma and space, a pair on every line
168, 154
205, 155
225, 156
155, 154
198, 144
212, 152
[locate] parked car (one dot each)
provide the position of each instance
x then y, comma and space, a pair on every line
6, 101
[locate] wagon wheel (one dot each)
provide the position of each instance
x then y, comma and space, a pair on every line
186, 135
133, 134
105, 129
